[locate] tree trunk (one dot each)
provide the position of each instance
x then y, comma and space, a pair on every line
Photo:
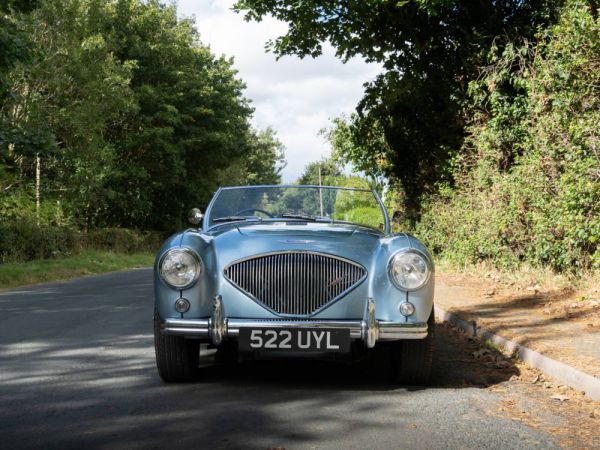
38, 170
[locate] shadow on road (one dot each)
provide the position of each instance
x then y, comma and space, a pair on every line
105, 392
454, 366
77, 370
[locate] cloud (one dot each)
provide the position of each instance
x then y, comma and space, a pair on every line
296, 97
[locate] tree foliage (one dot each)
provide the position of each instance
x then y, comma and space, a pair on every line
264, 162
430, 51
529, 178
485, 118
133, 118
525, 182
324, 172
15, 45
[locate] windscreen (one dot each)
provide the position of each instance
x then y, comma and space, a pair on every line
323, 204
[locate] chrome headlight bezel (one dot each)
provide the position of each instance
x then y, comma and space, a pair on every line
197, 261
400, 253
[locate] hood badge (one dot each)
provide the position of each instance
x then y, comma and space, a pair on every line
337, 281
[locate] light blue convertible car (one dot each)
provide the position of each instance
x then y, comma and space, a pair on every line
282, 271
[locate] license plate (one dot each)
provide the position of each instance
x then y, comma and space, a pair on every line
294, 339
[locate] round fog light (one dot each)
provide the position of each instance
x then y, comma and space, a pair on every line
182, 305
407, 309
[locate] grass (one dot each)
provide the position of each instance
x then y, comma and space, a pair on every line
88, 262
489, 344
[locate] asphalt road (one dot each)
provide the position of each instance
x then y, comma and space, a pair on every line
77, 371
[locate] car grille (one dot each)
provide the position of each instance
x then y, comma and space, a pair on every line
295, 283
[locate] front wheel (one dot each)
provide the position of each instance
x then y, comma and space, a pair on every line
177, 358
412, 358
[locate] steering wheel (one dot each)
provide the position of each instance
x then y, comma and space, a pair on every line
253, 210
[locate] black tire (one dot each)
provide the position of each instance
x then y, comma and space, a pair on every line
177, 358
412, 358
227, 354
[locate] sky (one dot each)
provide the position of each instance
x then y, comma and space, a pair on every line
296, 97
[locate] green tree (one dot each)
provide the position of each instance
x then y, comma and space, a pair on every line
528, 186
191, 118
263, 161
329, 171
61, 101
120, 116
430, 51
15, 45
346, 146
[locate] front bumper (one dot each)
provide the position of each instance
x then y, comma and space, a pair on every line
218, 326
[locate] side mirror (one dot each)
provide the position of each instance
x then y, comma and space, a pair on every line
195, 216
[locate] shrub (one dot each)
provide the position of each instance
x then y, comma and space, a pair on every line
528, 187
23, 241
121, 240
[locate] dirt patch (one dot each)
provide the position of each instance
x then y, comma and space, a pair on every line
558, 320
550, 299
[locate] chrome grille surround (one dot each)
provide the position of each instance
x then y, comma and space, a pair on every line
295, 283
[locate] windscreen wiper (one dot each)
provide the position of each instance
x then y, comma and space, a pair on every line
306, 217
235, 218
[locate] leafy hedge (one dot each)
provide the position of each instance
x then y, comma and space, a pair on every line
23, 241
528, 183
122, 240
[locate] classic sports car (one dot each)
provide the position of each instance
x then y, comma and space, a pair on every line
278, 271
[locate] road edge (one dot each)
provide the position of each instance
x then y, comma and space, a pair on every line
564, 373
69, 280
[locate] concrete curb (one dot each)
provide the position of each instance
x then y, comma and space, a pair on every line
562, 372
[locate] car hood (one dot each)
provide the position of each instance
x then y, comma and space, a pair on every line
349, 241
229, 243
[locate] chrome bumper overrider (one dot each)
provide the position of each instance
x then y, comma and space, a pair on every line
370, 330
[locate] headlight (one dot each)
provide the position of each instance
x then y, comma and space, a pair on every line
409, 270
180, 268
